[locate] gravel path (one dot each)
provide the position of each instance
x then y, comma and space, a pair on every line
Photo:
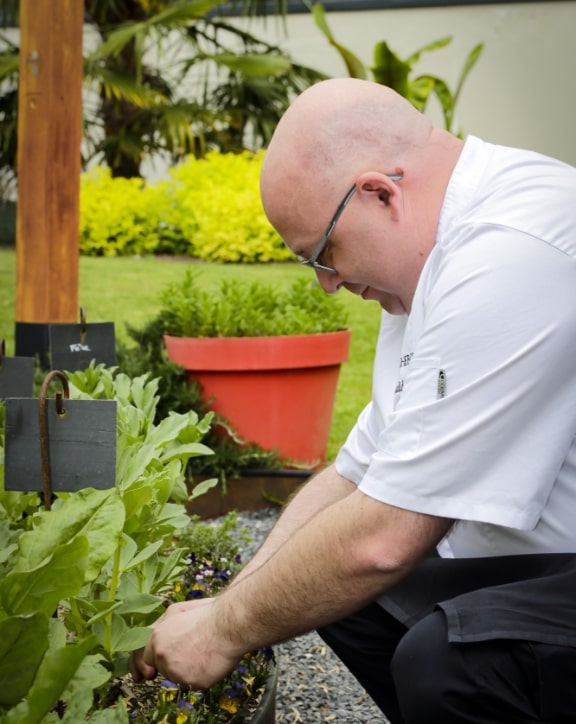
313, 685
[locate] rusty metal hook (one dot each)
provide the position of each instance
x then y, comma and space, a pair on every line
82, 325
60, 411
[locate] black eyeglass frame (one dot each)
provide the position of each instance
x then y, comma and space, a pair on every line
321, 245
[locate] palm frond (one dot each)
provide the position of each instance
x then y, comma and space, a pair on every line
182, 13
176, 124
112, 84
173, 17
253, 63
8, 65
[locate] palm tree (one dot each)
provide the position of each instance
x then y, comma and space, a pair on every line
169, 77
8, 115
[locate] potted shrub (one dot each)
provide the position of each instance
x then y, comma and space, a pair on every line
81, 582
250, 477
268, 359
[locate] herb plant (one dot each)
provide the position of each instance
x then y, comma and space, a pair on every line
240, 309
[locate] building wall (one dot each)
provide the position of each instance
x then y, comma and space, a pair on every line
522, 92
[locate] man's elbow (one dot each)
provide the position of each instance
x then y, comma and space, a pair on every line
392, 541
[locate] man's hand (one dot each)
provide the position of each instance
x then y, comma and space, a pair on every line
139, 668
186, 647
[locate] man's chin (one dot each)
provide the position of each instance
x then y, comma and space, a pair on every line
393, 307
389, 302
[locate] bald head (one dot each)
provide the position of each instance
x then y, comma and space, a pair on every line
332, 132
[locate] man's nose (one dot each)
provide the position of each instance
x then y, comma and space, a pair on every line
329, 282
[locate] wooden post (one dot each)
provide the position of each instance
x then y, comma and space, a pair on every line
49, 137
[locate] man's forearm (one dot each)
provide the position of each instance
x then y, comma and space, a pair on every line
343, 557
323, 490
339, 561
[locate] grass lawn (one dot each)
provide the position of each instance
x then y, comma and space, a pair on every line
126, 289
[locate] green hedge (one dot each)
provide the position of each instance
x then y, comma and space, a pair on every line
208, 208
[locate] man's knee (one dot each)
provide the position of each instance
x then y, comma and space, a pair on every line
418, 669
464, 683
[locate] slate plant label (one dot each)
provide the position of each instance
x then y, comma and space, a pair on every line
16, 377
81, 445
74, 346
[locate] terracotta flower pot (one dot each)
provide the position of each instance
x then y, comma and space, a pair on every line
276, 391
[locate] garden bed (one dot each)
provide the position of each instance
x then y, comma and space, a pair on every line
253, 490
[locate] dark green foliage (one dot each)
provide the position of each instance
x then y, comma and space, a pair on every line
148, 356
214, 542
7, 222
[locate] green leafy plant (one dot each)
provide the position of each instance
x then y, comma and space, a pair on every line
80, 583
391, 70
249, 309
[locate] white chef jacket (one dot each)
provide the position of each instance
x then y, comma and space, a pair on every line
473, 415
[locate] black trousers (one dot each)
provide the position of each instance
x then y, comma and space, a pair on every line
419, 672
417, 677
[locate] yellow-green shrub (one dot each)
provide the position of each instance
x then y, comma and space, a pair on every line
118, 216
208, 208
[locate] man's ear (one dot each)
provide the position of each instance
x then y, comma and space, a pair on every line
383, 188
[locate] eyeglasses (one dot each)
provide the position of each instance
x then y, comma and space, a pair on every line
321, 245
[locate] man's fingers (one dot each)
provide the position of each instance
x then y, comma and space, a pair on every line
141, 668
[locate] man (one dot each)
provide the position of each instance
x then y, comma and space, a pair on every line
457, 486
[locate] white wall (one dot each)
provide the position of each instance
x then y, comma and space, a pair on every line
522, 92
